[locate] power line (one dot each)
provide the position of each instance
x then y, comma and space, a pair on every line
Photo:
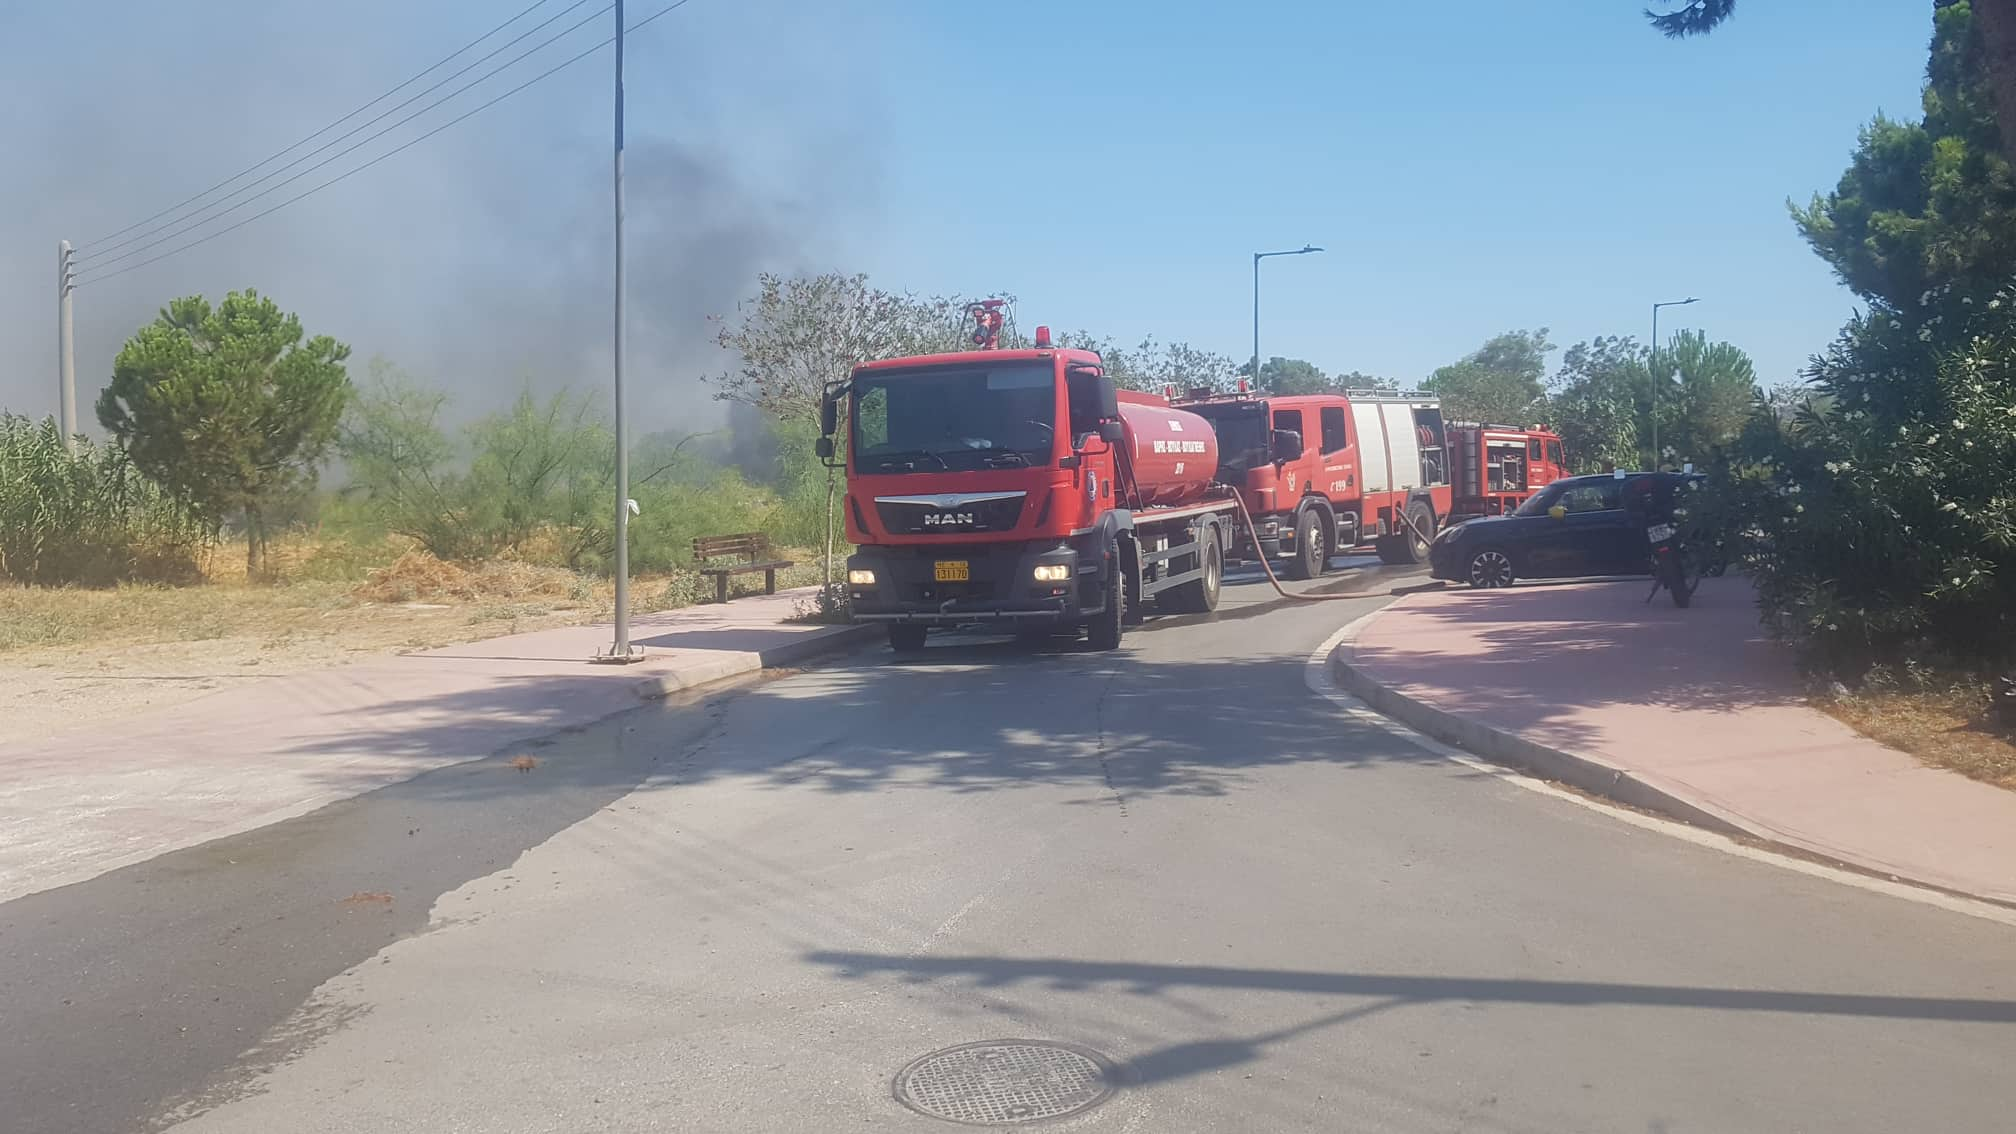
189, 223
331, 126
665, 11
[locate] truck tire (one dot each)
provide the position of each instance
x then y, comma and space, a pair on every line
1104, 631
1312, 546
906, 637
1200, 596
1408, 546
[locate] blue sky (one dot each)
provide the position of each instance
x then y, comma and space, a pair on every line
1471, 166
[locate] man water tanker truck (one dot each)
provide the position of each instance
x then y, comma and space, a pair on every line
1021, 489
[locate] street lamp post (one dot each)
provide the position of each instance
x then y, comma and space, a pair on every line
1651, 362
1257, 257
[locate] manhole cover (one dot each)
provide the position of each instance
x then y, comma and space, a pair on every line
1005, 1082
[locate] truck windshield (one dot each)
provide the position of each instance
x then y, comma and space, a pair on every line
1242, 430
954, 418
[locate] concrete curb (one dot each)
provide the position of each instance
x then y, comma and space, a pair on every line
732, 665
1588, 773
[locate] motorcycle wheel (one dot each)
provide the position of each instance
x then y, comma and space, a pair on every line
1682, 578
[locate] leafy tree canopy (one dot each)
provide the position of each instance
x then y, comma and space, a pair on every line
1697, 17
227, 407
1498, 382
1599, 399
798, 335
1924, 204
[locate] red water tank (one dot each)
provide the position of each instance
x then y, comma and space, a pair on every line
1175, 453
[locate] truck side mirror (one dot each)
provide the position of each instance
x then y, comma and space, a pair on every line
1111, 432
1286, 445
1109, 399
823, 448
829, 419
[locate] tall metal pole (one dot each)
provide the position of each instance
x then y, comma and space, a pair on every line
1257, 257
66, 349
621, 650
1256, 321
1652, 372
1656, 374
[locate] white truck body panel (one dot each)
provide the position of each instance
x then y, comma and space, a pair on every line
1375, 473
1403, 444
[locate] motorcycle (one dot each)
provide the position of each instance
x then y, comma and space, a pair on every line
1676, 567
1673, 567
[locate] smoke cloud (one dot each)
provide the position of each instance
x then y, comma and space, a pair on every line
478, 261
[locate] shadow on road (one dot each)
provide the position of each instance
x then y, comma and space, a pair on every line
1151, 979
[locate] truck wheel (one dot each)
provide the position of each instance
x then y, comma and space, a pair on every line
906, 637
1312, 547
1490, 567
1200, 596
1408, 545
1106, 627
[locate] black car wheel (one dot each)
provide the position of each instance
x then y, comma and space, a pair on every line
1490, 568
906, 637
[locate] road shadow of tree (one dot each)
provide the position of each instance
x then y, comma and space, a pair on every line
1366, 994
1153, 979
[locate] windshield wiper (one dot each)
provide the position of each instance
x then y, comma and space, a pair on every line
901, 456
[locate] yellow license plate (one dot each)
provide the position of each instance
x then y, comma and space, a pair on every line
951, 571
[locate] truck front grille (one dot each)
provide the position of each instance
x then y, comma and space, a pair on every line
951, 514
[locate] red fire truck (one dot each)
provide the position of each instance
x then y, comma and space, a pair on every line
1497, 467
1022, 489
1322, 473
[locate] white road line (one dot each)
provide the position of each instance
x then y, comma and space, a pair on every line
1316, 674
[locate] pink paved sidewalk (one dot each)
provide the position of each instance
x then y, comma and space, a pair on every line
1697, 704
122, 791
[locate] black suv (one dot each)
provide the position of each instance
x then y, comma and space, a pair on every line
1575, 526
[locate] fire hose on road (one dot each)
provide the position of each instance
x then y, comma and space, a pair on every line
1253, 535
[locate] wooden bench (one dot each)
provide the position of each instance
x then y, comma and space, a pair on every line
752, 548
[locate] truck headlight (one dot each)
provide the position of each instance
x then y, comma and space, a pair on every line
1053, 572
859, 578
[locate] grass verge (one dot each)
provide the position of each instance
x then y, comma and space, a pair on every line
415, 602
1946, 728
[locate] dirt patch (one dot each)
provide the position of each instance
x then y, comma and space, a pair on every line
1943, 728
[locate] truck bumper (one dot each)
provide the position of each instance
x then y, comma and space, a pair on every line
1001, 585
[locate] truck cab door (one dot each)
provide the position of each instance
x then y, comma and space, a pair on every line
1294, 478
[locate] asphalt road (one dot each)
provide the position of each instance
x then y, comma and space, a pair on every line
748, 913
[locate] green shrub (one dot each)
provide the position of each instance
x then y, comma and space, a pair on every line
537, 483
1881, 526
87, 518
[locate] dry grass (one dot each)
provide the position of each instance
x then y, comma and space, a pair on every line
69, 654
1945, 728
331, 589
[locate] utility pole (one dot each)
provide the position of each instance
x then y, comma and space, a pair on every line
66, 346
621, 652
